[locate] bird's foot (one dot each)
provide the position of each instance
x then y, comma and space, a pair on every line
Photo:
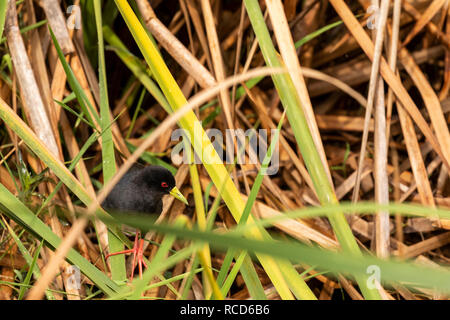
139, 259
138, 256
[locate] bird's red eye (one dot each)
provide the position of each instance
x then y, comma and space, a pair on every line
164, 184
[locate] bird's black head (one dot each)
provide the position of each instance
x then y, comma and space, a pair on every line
158, 179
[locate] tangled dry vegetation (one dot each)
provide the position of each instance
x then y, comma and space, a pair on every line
378, 111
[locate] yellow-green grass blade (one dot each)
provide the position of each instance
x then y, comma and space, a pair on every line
291, 102
201, 143
204, 253
391, 270
247, 269
205, 260
261, 173
233, 273
317, 33
3, 9
249, 204
17, 211
251, 278
80, 116
117, 262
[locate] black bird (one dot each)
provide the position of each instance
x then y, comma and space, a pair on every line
141, 191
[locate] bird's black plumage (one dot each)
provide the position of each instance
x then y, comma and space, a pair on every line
141, 190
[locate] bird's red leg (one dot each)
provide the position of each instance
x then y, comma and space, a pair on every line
119, 252
140, 257
140, 254
137, 251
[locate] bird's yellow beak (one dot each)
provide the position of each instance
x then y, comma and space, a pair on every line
177, 194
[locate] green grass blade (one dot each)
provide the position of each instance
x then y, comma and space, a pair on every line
27, 279
204, 254
261, 173
158, 265
190, 278
172, 279
3, 9
80, 116
117, 262
25, 29
226, 264
135, 114
226, 286
317, 33
17, 211
75, 85
163, 250
165, 264
251, 278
